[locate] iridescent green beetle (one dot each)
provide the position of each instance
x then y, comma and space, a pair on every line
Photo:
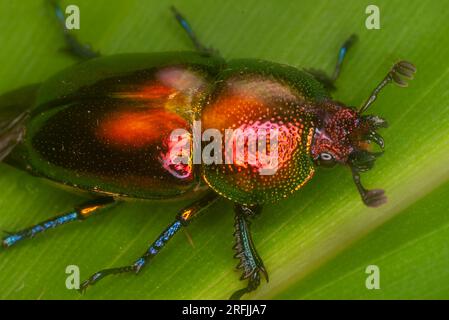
105, 126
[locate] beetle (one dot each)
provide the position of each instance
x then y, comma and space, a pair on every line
105, 126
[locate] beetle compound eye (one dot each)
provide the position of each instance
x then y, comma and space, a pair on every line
326, 160
326, 156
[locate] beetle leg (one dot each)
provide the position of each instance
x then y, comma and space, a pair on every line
250, 261
81, 212
77, 49
188, 29
342, 54
183, 218
329, 81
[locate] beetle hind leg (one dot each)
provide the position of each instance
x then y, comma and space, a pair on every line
250, 261
74, 47
80, 213
183, 218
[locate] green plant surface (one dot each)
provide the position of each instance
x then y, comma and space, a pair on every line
315, 244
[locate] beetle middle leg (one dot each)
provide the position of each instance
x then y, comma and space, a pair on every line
183, 219
250, 261
329, 81
80, 213
188, 29
74, 47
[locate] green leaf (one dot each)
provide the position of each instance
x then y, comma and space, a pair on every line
316, 244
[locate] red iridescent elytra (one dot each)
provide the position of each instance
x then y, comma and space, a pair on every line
122, 131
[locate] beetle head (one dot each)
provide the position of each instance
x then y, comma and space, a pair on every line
344, 136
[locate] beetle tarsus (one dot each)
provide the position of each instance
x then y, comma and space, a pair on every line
97, 276
250, 261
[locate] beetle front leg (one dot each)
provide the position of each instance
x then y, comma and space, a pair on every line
77, 49
183, 218
80, 213
250, 261
188, 29
342, 54
329, 81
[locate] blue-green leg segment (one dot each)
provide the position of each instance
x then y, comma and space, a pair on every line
250, 261
188, 29
183, 218
80, 213
342, 54
329, 81
77, 49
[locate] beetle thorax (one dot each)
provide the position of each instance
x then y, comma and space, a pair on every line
336, 128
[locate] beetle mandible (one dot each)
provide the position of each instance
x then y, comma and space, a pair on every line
104, 126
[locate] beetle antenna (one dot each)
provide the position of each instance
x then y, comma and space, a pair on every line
398, 72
